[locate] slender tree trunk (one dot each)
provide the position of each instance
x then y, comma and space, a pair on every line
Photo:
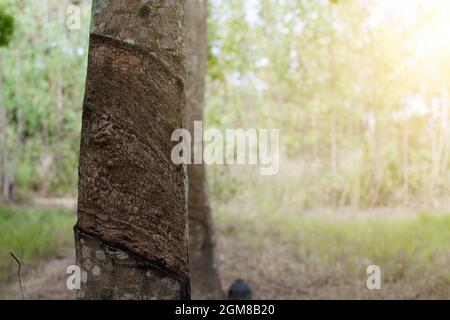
131, 234
6, 179
334, 109
378, 173
202, 243
19, 132
405, 151
59, 94
333, 142
59, 114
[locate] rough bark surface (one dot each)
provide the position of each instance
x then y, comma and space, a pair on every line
132, 219
202, 243
111, 273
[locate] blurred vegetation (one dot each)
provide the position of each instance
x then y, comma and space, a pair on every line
323, 251
6, 27
43, 72
32, 234
359, 90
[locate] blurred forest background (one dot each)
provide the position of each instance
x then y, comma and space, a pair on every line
360, 91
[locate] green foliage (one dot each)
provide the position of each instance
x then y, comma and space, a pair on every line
343, 82
26, 176
6, 28
336, 81
411, 249
31, 234
44, 75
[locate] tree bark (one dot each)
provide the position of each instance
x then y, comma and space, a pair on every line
131, 234
202, 243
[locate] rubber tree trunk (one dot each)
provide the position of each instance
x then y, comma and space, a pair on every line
202, 245
131, 234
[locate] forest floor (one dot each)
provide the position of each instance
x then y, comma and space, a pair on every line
301, 257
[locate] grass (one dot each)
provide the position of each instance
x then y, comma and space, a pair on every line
329, 253
283, 252
31, 234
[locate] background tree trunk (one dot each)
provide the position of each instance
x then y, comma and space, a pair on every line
202, 244
6, 178
59, 94
131, 234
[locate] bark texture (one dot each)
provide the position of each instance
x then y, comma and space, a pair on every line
131, 234
202, 244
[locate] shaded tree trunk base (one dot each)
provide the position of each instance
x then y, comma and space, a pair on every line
203, 261
111, 273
